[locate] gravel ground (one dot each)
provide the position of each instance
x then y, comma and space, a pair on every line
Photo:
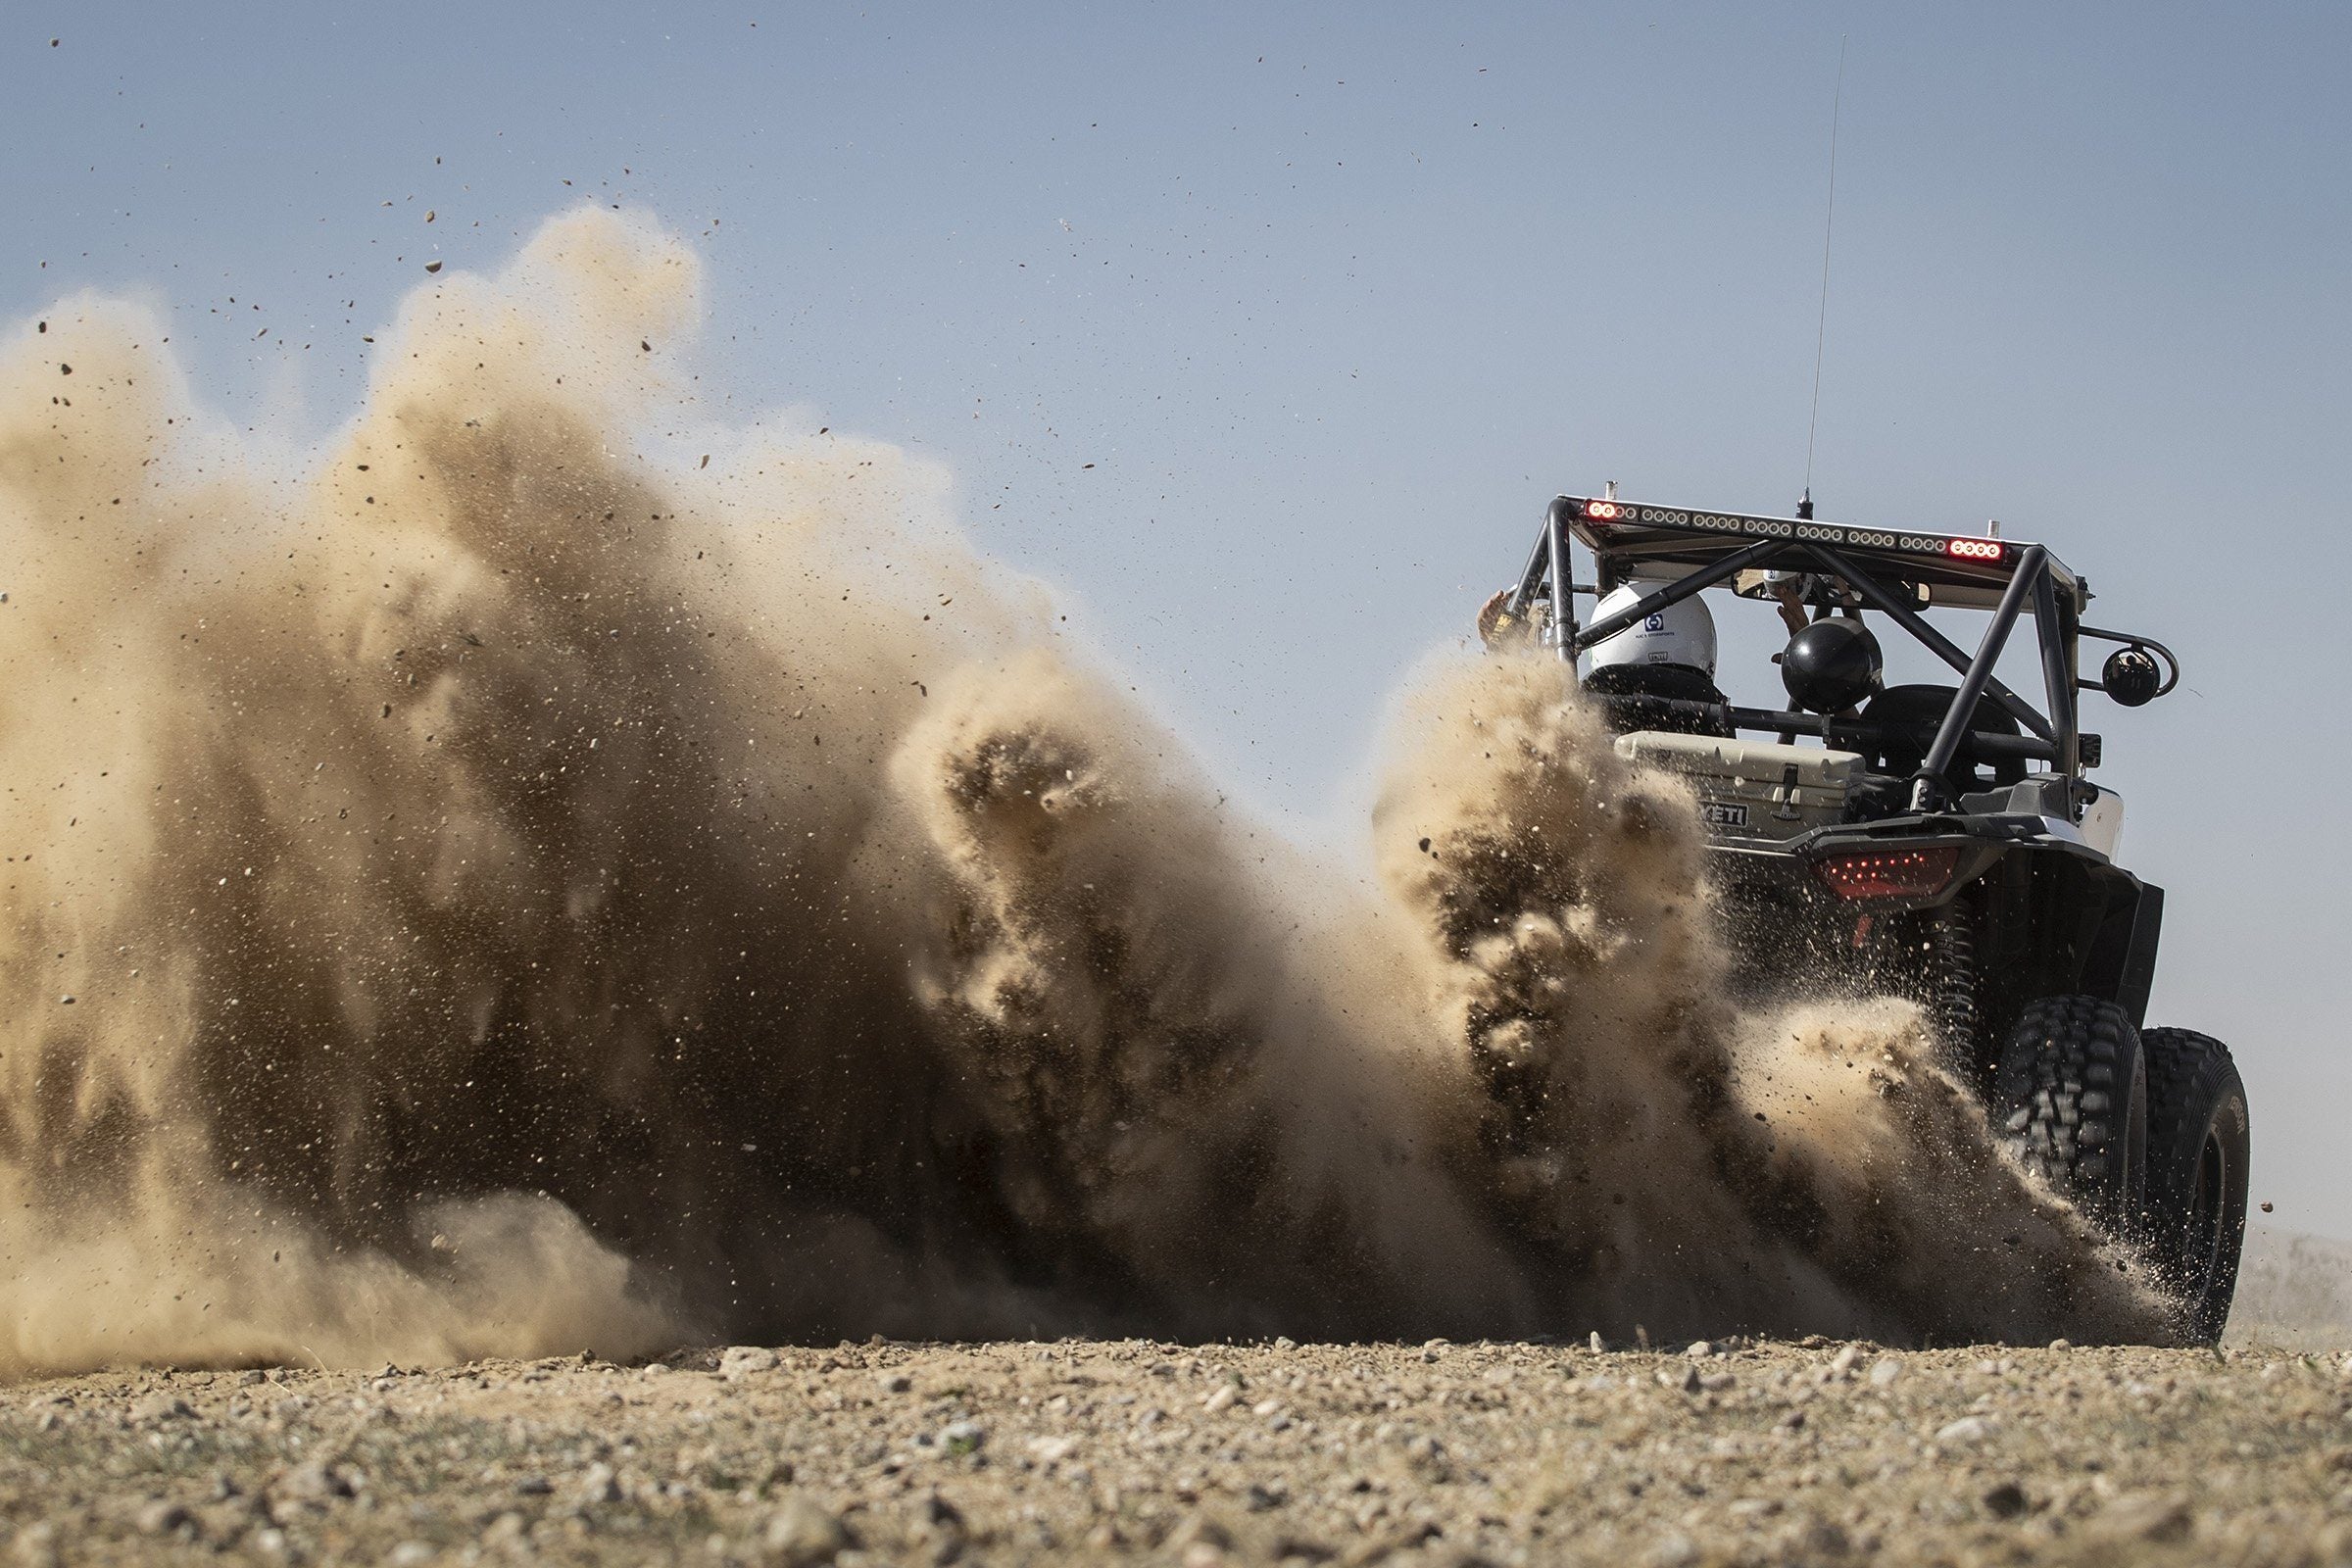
1202, 1454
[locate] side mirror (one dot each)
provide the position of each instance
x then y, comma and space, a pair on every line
2130, 676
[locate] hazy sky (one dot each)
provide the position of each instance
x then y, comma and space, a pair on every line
1334, 298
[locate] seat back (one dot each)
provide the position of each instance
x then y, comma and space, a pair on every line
1634, 696
1918, 712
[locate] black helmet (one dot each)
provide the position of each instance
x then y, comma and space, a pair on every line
1831, 666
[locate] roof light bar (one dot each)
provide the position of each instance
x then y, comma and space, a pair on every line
1603, 511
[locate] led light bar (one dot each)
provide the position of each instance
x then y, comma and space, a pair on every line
1602, 513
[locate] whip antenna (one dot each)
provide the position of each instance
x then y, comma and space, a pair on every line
1821, 327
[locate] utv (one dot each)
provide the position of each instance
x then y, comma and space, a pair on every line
1940, 841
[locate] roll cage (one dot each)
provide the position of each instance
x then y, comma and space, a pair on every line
1895, 571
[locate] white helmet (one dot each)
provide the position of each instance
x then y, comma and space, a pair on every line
1681, 634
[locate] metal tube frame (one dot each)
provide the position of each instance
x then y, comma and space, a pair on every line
1563, 585
1674, 593
2051, 629
1926, 783
1839, 565
2059, 734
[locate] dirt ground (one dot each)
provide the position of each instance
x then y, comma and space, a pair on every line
1202, 1455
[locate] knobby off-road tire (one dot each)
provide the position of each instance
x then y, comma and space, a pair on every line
2197, 1145
2072, 1088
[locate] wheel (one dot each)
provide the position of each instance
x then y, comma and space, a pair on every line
2073, 1092
2197, 1144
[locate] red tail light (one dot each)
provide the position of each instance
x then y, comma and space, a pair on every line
1888, 873
1974, 549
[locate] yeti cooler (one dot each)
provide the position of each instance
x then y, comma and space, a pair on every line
1751, 789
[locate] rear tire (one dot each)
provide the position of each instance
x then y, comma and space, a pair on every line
2197, 1172
2073, 1092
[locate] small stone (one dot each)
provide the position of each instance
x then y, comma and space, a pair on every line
533, 1487
963, 1437
2006, 1501
1885, 1371
410, 1554
432, 266
162, 1518
316, 1482
37, 1545
2062, 1344
802, 1534
251, 1376
743, 1361
1598, 1346
1676, 1551
1699, 1350
1284, 1342
1220, 1399
1968, 1429
895, 1382
2148, 1516
1843, 1361
598, 1483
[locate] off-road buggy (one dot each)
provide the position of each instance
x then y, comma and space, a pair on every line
1940, 841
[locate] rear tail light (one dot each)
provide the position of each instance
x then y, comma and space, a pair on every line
1603, 511
1888, 873
1974, 549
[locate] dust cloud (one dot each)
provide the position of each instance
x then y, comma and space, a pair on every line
504, 886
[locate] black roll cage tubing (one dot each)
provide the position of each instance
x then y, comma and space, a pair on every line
2056, 738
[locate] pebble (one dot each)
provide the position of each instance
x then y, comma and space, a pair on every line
1884, 1373
894, 1381
1676, 1551
1219, 1398
1968, 1429
743, 1361
802, 1534
2006, 1501
2147, 1516
598, 1483
1843, 1361
1699, 1350
162, 1518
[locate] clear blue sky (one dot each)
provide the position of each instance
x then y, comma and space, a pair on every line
1335, 297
